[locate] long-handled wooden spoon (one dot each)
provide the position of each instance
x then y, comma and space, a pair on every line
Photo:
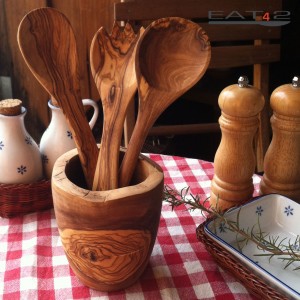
171, 56
112, 64
47, 43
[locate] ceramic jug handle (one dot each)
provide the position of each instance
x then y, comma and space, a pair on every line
89, 102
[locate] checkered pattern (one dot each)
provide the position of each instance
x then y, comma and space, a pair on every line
33, 264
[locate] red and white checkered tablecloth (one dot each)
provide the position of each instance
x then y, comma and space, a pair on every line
33, 264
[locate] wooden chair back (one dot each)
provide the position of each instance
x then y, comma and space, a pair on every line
239, 40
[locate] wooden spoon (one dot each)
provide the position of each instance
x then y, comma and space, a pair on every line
171, 56
47, 43
112, 64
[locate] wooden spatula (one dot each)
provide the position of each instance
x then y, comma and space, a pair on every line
48, 45
112, 64
171, 56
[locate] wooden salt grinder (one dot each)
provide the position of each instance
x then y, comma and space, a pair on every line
282, 160
234, 162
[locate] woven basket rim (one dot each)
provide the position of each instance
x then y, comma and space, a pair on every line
25, 185
23, 198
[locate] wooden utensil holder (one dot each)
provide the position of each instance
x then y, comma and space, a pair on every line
108, 236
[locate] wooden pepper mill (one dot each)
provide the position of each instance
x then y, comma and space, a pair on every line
282, 160
234, 162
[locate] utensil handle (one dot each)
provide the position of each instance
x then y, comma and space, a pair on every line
106, 173
83, 137
134, 148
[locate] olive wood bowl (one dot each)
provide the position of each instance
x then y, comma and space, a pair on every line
107, 236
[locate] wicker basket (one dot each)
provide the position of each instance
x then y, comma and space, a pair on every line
226, 260
21, 199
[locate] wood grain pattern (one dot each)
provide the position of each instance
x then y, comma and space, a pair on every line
245, 55
108, 236
108, 256
54, 63
234, 162
86, 17
244, 45
112, 64
171, 56
282, 160
25, 86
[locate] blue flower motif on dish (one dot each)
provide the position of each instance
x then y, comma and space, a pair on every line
265, 244
22, 169
69, 134
1, 145
259, 210
296, 246
222, 227
28, 140
288, 210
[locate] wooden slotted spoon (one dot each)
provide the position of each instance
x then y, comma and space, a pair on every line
47, 43
172, 55
112, 64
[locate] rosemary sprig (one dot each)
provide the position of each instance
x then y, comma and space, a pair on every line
272, 246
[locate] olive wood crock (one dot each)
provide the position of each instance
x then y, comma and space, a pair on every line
108, 236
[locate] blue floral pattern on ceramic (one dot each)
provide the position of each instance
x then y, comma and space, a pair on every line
259, 210
69, 135
288, 210
222, 227
278, 221
296, 246
20, 157
22, 169
28, 140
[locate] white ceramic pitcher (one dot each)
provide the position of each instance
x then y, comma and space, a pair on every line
57, 139
20, 158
